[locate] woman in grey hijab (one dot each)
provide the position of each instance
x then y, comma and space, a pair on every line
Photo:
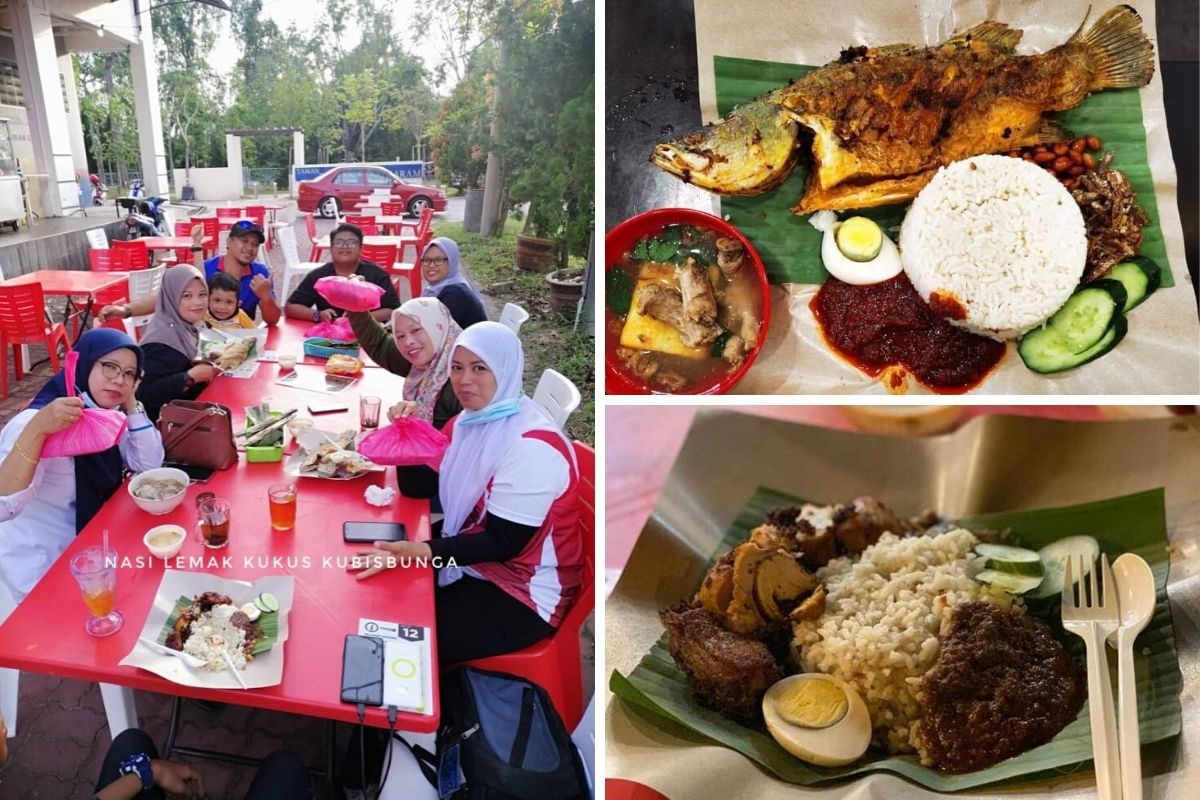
171, 341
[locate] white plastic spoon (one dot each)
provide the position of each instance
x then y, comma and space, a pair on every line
1136, 595
190, 660
232, 668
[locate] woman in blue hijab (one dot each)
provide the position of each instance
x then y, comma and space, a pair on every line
444, 280
45, 502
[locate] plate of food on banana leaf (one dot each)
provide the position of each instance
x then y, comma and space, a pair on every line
827, 641
968, 212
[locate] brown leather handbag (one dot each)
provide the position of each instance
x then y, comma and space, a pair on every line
200, 434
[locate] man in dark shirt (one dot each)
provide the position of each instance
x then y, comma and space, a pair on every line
346, 240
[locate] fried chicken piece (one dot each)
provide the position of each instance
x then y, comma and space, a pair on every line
209, 599
666, 305
717, 590
859, 524
812, 608
728, 672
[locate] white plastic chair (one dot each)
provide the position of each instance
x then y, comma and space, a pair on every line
97, 239
514, 317
9, 678
143, 282
557, 395
294, 268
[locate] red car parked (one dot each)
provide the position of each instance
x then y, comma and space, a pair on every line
346, 189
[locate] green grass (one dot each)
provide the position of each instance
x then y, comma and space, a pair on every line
548, 338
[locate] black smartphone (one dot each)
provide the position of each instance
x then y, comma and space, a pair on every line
362, 670
374, 532
195, 474
326, 406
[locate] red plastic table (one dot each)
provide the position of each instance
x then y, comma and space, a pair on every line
45, 633
69, 283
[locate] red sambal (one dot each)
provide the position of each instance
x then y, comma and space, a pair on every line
886, 324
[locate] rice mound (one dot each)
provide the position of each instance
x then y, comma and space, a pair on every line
1002, 237
883, 612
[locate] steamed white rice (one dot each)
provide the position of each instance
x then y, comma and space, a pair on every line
214, 632
1000, 235
883, 612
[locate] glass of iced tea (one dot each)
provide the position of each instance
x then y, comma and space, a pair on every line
212, 528
282, 500
96, 573
368, 411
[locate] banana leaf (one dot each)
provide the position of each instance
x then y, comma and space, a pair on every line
267, 624
791, 248
1134, 523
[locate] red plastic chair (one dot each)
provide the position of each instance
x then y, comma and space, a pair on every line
212, 232
139, 255
422, 226
392, 209
310, 225
184, 255
230, 213
23, 321
382, 254
555, 663
368, 224
410, 268
110, 261
259, 215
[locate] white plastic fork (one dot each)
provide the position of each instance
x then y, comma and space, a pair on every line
1092, 619
190, 660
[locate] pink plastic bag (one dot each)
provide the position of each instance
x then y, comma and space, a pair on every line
96, 431
407, 442
339, 330
348, 294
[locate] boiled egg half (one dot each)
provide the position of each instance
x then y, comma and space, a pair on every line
856, 250
818, 718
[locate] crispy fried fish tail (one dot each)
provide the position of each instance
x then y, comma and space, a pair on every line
749, 151
1119, 53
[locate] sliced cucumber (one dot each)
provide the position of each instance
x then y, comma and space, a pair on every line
1054, 559
1140, 277
267, 603
1088, 314
1044, 350
1013, 584
1013, 560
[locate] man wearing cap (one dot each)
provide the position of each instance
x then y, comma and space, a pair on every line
241, 248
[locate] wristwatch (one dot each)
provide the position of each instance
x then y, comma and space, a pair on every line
196, 248
127, 311
139, 764
138, 408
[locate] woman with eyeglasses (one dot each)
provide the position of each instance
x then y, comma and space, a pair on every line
423, 334
443, 280
172, 341
44, 502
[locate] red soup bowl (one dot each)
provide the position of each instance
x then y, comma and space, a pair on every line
621, 240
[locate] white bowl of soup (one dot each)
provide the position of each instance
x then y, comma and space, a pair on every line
687, 304
164, 541
159, 491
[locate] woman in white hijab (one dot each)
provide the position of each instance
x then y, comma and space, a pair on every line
508, 486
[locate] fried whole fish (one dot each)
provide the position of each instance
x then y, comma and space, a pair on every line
884, 119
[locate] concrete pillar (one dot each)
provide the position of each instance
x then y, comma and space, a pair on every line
74, 120
152, 151
37, 58
233, 160
298, 148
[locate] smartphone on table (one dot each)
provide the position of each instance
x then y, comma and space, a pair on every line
368, 532
362, 670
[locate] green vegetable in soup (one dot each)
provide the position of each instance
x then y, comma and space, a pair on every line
718, 346
618, 291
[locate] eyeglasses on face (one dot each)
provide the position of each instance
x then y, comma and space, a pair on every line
345, 242
114, 372
434, 261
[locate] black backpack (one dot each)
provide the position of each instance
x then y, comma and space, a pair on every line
501, 739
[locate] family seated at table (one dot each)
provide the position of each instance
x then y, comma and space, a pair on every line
418, 348
254, 279
45, 502
346, 241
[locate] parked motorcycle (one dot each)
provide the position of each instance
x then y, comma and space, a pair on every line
147, 219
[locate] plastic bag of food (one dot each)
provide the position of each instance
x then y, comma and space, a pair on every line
348, 294
338, 330
408, 441
343, 365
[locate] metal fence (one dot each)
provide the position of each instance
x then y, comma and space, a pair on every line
264, 180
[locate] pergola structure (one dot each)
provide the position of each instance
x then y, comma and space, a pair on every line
37, 38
